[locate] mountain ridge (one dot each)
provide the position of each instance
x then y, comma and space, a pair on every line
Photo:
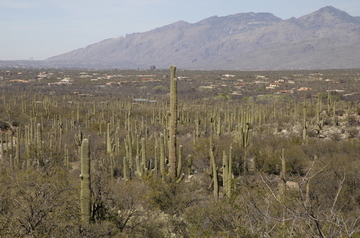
326, 38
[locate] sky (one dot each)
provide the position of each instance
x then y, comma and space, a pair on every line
39, 29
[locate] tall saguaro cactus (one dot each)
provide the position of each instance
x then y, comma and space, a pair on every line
304, 124
214, 168
173, 124
85, 182
162, 157
283, 171
245, 137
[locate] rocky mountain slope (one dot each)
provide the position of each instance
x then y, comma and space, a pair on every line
327, 38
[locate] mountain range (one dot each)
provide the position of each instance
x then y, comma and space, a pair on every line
325, 39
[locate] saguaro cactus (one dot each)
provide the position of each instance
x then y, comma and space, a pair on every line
108, 140
304, 136
245, 137
162, 157
173, 125
143, 156
283, 165
214, 168
38, 141
283, 172
17, 149
2, 146
226, 175
85, 183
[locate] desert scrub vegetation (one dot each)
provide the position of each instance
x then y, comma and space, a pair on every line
244, 160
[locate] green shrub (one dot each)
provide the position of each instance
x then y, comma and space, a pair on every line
4, 126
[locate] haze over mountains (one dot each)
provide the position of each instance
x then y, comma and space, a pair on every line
327, 38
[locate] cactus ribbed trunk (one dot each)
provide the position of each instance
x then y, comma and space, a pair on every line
125, 168
214, 169
304, 123
179, 162
38, 140
230, 174
245, 136
17, 149
143, 156
173, 125
156, 149
2, 147
108, 141
162, 158
307, 194
283, 166
283, 172
85, 183
226, 178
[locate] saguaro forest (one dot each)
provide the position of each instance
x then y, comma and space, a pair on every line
174, 153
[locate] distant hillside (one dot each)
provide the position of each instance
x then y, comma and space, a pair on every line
327, 38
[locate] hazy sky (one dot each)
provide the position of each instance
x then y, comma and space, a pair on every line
38, 29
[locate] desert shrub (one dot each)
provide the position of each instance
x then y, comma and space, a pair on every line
353, 133
335, 136
296, 159
267, 160
4, 126
224, 218
170, 198
15, 123
353, 121
45, 203
160, 89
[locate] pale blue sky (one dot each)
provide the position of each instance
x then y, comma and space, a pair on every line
40, 29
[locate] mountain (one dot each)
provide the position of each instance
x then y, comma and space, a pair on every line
327, 38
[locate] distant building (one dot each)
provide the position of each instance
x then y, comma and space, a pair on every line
304, 89
284, 92
143, 100
275, 85
228, 76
